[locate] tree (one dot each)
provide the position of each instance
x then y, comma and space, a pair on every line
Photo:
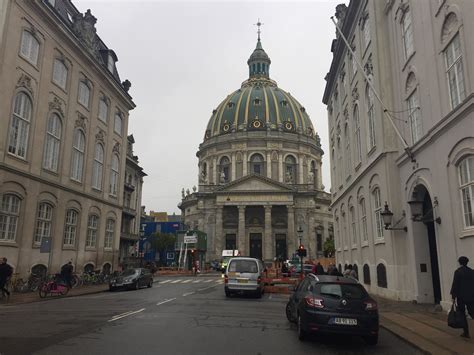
329, 248
163, 241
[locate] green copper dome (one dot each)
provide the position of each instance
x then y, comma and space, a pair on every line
259, 105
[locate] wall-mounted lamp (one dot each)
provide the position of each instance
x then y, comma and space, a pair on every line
387, 217
416, 208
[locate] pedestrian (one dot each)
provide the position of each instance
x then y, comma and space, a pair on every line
347, 271
353, 273
319, 269
66, 274
6, 272
462, 291
334, 271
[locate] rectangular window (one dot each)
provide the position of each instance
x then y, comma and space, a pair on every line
414, 117
84, 94
9, 213
103, 110
353, 226
407, 35
43, 222
466, 182
92, 231
118, 123
70, 228
109, 234
363, 221
29, 48
377, 214
455, 73
110, 64
60, 74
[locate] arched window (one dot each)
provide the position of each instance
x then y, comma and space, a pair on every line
366, 272
92, 226
43, 222
29, 48
353, 225
369, 95
357, 141
118, 123
9, 213
78, 147
109, 233
314, 174
363, 220
414, 117
98, 167
455, 71
70, 228
88, 268
52, 143
344, 227
381, 276
20, 125
407, 34
225, 170
84, 94
377, 203
114, 174
348, 149
366, 32
290, 170
106, 269
466, 186
39, 270
103, 110
257, 164
60, 73
356, 269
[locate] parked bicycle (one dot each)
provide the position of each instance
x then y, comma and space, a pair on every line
53, 287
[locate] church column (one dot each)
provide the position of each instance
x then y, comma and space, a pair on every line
234, 165
241, 243
244, 164
216, 175
280, 167
269, 164
311, 240
291, 231
300, 169
320, 177
218, 237
268, 252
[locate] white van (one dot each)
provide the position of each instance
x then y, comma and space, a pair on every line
244, 275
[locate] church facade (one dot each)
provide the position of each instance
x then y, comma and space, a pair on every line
260, 188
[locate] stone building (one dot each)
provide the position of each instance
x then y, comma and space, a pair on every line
419, 60
259, 173
63, 139
132, 201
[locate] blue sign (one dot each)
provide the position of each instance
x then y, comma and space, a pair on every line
170, 256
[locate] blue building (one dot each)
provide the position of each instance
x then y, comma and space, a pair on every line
164, 258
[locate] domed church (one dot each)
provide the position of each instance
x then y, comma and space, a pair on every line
260, 187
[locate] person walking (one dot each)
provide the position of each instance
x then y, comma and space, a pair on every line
6, 272
319, 269
66, 274
348, 270
462, 291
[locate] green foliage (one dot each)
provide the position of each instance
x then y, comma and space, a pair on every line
163, 241
329, 248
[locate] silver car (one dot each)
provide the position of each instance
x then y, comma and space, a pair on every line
244, 275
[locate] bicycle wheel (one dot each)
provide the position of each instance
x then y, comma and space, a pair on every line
44, 289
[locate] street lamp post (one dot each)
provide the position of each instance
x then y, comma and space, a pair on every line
300, 236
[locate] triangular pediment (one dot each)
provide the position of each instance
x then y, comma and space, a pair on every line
254, 183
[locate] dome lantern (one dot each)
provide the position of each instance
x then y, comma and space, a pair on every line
259, 62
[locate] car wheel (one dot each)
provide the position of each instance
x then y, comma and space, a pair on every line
372, 339
150, 284
301, 333
289, 313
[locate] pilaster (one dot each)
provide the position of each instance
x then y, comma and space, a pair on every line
218, 237
241, 242
244, 164
280, 167
291, 231
268, 240
234, 165
269, 164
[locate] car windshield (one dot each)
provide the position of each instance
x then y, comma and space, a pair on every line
347, 291
129, 272
243, 266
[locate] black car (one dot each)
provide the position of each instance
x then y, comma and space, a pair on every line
132, 279
333, 304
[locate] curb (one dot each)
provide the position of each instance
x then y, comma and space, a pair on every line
404, 339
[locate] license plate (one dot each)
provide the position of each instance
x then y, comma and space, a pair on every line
242, 281
345, 321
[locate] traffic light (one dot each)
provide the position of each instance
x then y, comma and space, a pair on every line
301, 251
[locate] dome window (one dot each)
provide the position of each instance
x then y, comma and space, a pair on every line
302, 109
226, 127
288, 125
284, 103
257, 102
257, 124
257, 164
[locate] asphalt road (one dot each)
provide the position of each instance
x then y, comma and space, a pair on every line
179, 315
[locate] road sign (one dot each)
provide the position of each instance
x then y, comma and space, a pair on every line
190, 239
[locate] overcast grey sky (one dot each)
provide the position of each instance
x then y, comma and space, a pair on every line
184, 58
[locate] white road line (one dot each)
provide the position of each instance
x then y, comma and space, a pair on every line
186, 281
126, 314
187, 294
208, 281
163, 282
165, 301
206, 288
196, 281
220, 281
175, 281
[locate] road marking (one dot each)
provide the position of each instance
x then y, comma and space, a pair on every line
187, 294
126, 314
220, 281
186, 281
196, 281
208, 281
163, 282
165, 301
175, 281
206, 288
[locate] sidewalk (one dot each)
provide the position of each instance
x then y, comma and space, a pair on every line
423, 327
29, 297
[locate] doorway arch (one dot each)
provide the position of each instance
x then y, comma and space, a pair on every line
426, 249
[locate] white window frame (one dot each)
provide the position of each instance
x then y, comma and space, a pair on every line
414, 117
363, 220
84, 94
118, 123
353, 225
407, 35
98, 167
52, 143
370, 118
379, 226
9, 215
60, 73
455, 72
78, 149
29, 47
110, 63
114, 174
92, 227
44, 219
109, 233
103, 110
466, 189
70, 228
20, 125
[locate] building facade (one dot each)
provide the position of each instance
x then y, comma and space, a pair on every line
419, 62
259, 174
62, 139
